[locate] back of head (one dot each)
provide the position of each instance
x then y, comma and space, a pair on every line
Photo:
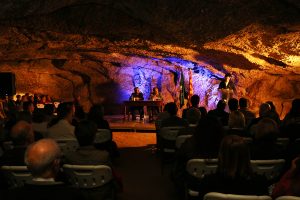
266, 129
64, 110
236, 120
49, 109
233, 104
243, 103
264, 110
273, 108
172, 108
221, 105
22, 133
27, 105
208, 135
96, 112
85, 132
234, 157
43, 158
195, 99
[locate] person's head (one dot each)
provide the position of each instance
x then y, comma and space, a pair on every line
227, 77
273, 108
66, 111
295, 110
85, 132
208, 135
31, 98
136, 90
96, 112
21, 134
28, 106
233, 104
221, 105
264, 109
266, 129
43, 158
18, 97
155, 90
244, 103
49, 109
43, 99
234, 157
236, 120
195, 99
172, 108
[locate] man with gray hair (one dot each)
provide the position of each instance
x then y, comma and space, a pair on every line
43, 161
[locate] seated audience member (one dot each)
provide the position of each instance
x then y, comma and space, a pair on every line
79, 112
96, 115
236, 124
192, 114
28, 107
264, 110
273, 113
289, 184
43, 161
264, 145
154, 96
87, 154
204, 143
220, 113
233, 104
173, 120
244, 108
203, 111
234, 174
18, 101
291, 122
137, 96
61, 127
21, 135
40, 122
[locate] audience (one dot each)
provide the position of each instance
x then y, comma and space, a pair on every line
192, 114
220, 113
173, 120
61, 127
291, 123
273, 113
244, 108
236, 124
233, 104
43, 161
234, 174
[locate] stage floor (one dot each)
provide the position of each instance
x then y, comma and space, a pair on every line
118, 124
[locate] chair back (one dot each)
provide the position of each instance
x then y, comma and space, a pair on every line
283, 142
221, 196
248, 140
16, 176
201, 167
88, 176
169, 136
68, 145
288, 198
7, 145
102, 135
181, 139
269, 168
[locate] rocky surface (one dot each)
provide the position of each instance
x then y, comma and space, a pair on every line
102, 49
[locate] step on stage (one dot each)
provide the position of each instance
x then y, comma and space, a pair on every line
118, 124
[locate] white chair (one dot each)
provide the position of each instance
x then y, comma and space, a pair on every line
221, 196
68, 145
269, 168
88, 176
102, 135
16, 176
248, 140
283, 142
288, 198
199, 168
181, 139
8, 145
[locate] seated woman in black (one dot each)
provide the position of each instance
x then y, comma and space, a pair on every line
96, 115
234, 174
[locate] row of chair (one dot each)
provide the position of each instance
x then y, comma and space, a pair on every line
221, 196
79, 176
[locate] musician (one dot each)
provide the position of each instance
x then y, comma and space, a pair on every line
227, 88
137, 96
154, 96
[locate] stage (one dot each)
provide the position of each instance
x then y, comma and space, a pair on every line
118, 124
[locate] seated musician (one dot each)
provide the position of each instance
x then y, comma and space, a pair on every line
137, 96
227, 88
154, 96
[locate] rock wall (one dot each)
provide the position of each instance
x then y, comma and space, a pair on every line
103, 49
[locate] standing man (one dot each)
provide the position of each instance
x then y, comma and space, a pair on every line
226, 88
137, 96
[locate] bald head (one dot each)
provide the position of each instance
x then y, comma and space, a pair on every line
22, 133
42, 158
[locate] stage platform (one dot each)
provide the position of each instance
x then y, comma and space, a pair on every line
118, 124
